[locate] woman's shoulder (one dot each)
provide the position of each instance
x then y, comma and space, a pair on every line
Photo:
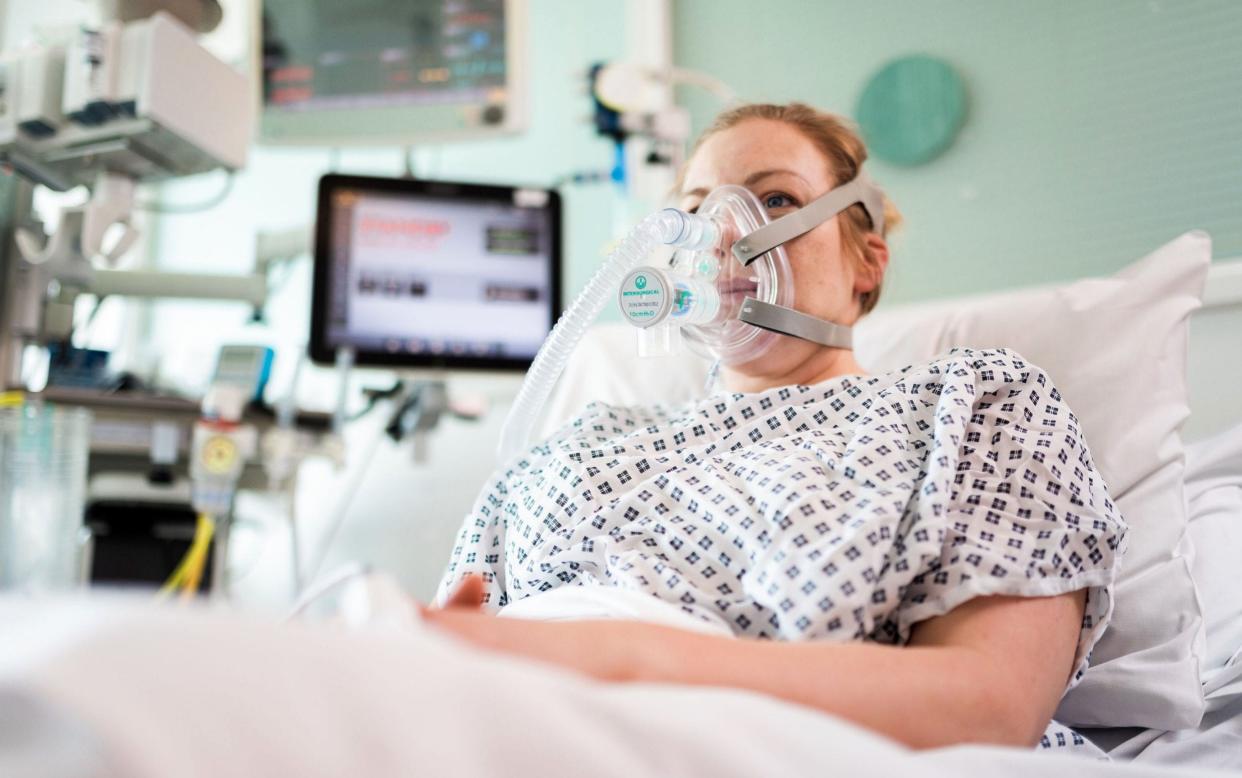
974, 378
979, 365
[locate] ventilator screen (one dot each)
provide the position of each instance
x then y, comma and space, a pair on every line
434, 273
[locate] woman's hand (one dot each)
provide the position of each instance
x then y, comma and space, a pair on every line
601, 649
468, 596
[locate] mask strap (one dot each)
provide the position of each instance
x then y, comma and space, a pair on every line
810, 216
787, 321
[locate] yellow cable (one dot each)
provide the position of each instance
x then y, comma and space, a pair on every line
197, 558
190, 582
189, 571
203, 535
195, 574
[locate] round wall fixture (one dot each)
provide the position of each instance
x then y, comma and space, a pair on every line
912, 109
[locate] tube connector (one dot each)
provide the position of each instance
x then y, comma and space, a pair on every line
687, 230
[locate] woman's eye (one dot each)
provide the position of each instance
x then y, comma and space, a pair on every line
777, 200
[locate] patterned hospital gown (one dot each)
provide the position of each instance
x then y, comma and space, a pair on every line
848, 510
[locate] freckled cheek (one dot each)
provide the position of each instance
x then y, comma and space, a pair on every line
822, 282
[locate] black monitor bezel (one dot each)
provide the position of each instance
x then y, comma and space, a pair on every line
323, 354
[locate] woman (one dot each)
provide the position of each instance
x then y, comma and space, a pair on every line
928, 553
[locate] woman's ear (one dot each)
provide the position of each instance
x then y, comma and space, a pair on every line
875, 262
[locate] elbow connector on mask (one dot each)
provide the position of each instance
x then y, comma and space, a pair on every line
687, 230
660, 302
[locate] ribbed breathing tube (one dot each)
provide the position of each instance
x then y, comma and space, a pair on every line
669, 226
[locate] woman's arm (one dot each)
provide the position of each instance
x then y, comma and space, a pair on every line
990, 671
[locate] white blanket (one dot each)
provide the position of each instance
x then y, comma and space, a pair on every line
124, 690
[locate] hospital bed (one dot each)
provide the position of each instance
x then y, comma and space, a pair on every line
103, 689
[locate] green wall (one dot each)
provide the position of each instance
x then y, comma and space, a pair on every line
1097, 129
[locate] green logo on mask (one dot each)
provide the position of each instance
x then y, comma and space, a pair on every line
641, 282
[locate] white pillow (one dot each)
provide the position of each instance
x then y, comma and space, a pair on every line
1214, 492
1116, 348
606, 367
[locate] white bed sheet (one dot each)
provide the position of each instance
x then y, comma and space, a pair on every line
215, 693
1215, 743
1213, 481
1214, 494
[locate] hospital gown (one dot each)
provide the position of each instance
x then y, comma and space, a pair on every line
848, 510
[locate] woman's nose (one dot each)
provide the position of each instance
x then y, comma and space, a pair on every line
729, 234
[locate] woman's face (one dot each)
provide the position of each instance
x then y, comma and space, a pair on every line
785, 171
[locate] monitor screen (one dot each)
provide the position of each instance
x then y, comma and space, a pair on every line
388, 70
431, 273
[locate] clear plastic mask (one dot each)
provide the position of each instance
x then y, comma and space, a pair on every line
699, 295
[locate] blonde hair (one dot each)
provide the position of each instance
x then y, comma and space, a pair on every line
845, 153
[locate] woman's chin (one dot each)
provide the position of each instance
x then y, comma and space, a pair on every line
780, 358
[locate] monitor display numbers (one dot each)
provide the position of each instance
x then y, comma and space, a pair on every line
327, 54
505, 239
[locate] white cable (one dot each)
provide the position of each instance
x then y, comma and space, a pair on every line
341, 575
295, 552
702, 80
187, 208
344, 364
287, 407
713, 373
342, 507
239, 573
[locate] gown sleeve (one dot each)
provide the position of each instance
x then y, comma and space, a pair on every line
1016, 503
